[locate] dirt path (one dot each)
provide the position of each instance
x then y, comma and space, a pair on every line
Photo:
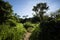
27, 35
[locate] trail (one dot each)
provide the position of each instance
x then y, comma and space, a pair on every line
27, 35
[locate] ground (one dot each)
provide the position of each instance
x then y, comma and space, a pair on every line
27, 35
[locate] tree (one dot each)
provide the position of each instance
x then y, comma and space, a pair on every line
58, 14
25, 16
5, 11
40, 9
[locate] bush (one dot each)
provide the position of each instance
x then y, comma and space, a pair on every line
50, 30
35, 33
14, 33
28, 24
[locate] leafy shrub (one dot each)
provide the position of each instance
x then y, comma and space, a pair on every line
14, 33
50, 30
28, 24
11, 22
35, 33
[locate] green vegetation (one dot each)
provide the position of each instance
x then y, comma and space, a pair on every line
10, 28
8, 33
35, 33
41, 27
39, 10
49, 27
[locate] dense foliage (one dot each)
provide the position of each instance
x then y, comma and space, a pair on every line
35, 33
10, 28
41, 27
49, 28
15, 33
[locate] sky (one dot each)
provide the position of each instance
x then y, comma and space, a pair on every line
24, 7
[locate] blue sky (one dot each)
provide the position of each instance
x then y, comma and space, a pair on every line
24, 7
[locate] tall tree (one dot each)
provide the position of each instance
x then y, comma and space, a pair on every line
40, 9
5, 11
